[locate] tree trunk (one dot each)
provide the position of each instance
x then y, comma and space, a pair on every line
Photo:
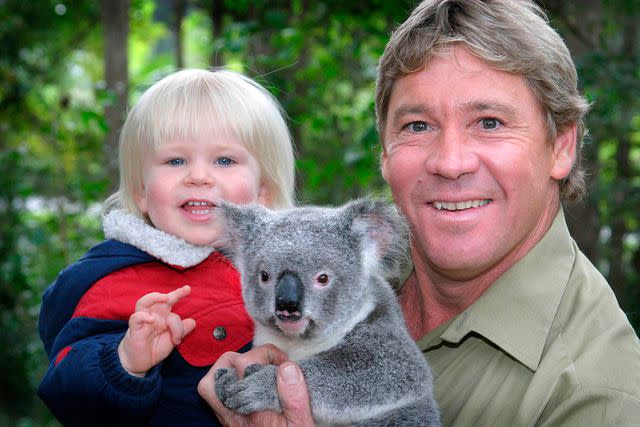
178, 15
216, 13
115, 24
624, 171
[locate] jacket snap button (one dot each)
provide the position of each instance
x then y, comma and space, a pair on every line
219, 333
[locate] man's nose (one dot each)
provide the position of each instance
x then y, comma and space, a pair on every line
451, 155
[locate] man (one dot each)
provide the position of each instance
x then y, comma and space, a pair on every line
481, 124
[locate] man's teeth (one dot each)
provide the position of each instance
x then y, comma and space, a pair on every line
199, 204
460, 206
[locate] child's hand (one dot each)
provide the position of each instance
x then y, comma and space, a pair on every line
154, 330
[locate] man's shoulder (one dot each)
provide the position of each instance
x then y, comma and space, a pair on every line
592, 334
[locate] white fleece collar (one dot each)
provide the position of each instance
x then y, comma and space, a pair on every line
128, 228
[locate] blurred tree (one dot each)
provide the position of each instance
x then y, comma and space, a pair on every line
115, 25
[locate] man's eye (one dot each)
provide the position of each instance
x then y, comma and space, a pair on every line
490, 123
176, 162
224, 161
417, 126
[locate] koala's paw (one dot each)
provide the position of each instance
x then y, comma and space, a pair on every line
255, 392
252, 369
224, 380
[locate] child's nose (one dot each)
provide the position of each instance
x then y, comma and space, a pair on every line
200, 175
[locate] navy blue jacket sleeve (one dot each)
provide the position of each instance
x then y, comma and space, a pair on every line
61, 298
87, 385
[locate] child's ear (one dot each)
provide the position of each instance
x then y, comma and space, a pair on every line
140, 199
564, 153
264, 195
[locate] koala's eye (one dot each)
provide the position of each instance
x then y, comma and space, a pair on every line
323, 279
264, 276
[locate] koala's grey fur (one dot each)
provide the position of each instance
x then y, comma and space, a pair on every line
347, 334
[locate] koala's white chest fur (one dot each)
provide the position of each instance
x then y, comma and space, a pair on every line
302, 348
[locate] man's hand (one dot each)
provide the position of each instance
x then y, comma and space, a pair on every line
292, 390
154, 330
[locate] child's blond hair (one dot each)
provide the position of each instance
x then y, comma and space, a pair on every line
191, 102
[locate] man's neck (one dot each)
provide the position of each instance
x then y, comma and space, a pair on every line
427, 305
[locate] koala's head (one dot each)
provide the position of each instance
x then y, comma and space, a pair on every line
305, 271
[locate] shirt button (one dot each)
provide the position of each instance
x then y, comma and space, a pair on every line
219, 333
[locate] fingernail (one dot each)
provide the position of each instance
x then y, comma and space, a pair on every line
290, 375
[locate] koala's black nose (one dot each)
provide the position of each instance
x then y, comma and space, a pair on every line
289, 296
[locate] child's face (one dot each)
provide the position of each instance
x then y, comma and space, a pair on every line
183, 180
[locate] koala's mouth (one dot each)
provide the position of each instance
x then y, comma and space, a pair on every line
292, 324
287, 316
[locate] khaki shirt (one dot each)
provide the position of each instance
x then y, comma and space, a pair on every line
546, 345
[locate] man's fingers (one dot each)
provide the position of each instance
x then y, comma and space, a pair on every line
206, 389
267, 354
293, 395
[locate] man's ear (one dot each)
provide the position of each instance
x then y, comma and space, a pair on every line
384, 167
564, 152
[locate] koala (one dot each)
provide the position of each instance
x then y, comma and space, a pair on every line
315, 280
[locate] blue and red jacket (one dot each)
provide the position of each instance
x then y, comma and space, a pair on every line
85, 313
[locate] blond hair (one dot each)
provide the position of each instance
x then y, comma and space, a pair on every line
509, 35
191, 102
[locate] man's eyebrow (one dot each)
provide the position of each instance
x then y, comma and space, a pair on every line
409, 109
496, 106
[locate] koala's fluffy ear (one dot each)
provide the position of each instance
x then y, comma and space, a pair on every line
239, 225
385, 237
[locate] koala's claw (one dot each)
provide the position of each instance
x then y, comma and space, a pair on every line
252, 369
225, 379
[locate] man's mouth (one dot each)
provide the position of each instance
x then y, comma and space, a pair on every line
199, 207
460, 206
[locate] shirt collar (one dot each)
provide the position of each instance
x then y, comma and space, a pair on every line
517, 311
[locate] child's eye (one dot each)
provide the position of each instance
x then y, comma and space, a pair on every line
176, 162
224, 161
490, 123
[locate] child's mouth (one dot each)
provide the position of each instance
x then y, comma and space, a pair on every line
199, 207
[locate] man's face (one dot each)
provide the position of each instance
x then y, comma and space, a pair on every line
468, 162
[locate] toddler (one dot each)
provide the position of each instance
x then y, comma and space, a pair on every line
133, 326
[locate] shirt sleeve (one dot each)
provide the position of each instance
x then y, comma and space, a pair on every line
85, 383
